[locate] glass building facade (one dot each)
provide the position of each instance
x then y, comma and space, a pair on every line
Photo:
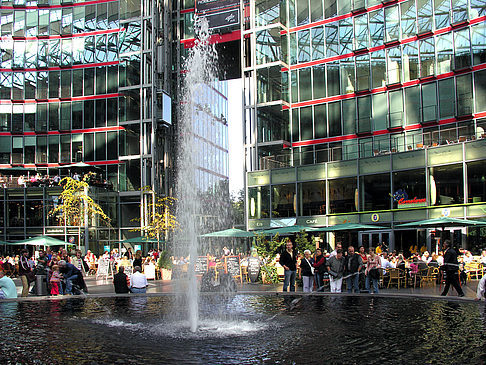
93, 82
366, 111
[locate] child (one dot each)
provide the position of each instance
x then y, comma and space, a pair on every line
56, 287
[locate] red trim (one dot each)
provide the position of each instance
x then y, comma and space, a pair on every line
378, 48
58, 68
380, 89
76, 98
214, 39
73, 131
17, 7
74, 35
411, 127
56, 165
336, 18
191, 10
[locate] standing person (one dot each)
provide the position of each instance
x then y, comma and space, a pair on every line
288, 260
372, 271
120, 281
137, 261
24, 270
306, 272
339, 246
8, 290
138, 281
335, 267
450, 269
353, 266
129, 254
77, 261
55, 281
364, 258
320, 269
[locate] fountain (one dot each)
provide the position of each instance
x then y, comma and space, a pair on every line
200, 67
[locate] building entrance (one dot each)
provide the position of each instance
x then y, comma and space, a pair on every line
374, 238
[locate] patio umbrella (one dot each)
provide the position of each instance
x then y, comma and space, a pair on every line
17, 170
41, 241
232, 232
79, 165
285, 230
345, 227
442, 222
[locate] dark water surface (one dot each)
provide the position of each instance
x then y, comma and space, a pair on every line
244, 329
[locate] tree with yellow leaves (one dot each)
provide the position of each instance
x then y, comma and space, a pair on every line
75, 206
159, 218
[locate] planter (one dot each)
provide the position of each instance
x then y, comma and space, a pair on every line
166, 274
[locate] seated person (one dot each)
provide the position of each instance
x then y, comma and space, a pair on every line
72, 276
8, 290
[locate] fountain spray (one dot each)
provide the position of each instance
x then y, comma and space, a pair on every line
200, 67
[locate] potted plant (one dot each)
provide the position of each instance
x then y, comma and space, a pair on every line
165, 265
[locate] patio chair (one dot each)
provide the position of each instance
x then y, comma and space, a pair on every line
474, 270
396, 277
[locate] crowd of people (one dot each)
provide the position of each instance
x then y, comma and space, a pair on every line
363, 270
62, 273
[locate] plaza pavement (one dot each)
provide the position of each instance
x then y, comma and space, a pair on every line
104, 287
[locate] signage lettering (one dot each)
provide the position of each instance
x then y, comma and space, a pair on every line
409, 203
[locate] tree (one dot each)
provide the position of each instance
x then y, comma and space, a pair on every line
75, 205
303, 243
159, 217
238, 208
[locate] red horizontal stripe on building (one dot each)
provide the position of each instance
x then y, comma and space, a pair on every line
16, 7
58, 68
381, 47
186, 11
57, 165
381, 89
382, 132
75, 98
74, 35
73, 131
337, 18
214, 39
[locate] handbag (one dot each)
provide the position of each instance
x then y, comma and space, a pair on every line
374, 273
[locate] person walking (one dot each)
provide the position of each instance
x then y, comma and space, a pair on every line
353, 266
138, 281
306, 272
335, 267
24, 272
288, 260
120, 281
450, 270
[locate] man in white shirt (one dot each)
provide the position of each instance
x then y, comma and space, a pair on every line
339, 246
385, 264
138, 281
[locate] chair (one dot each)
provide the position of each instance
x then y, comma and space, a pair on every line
396, 276
474, 270
427, 275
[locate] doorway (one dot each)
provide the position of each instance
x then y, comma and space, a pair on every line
374, 238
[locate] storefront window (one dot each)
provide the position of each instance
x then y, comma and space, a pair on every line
375, 192
283, 201
312, 197
409, 189
476, 182
446, 185
342, 195
259, 202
